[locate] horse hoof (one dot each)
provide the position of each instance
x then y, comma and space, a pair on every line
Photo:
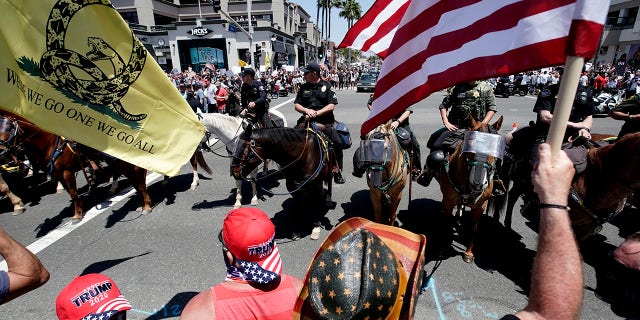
146, 211
467, 258
315, 233
18, 212
295, 236
254, 202
75, 221
237, 205
194, 186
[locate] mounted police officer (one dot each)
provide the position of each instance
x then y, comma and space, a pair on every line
253, 98
580, 119
316, 101
473, 98
406, 138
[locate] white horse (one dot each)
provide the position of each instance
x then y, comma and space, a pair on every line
228, 129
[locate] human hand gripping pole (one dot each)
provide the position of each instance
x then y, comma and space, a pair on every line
562, 110
552, 177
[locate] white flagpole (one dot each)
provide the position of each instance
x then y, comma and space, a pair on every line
562, 110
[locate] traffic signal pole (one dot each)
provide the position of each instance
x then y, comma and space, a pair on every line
250, 33
237, 25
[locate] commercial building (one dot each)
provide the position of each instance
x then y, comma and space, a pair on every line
621, 36
182, 33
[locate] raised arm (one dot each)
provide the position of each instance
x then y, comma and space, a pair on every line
556, 280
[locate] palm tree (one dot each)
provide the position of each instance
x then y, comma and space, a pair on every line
325, 23
351, 11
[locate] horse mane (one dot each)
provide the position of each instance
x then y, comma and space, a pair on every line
222, 125
620, 155
284, 135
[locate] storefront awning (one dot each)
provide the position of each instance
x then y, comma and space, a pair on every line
279, 47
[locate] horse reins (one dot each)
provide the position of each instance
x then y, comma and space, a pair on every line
308, 179
577, 199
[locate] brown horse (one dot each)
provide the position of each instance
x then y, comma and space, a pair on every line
305, 161
468, 180
57, 156
18, 205
598, 191
386, 175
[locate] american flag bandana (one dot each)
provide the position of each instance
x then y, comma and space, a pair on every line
109, 309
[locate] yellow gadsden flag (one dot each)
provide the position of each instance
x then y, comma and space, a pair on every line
74, 68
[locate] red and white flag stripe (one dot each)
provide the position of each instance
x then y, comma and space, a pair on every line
375, 30
118, 304
273, 263
441, 43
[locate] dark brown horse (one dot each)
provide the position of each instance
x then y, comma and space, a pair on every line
305, 161
468, 180
61, 160
598, 192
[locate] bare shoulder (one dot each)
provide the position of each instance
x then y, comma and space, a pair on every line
199, 307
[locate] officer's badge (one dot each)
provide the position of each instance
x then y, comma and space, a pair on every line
323, 89
476, 94
545, 93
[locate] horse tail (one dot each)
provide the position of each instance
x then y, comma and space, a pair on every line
202, 162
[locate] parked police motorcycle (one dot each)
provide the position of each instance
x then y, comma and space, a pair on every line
605, 101
504, 87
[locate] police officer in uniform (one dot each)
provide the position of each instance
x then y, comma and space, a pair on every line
316, 101
253, 98
474, 98
580, 119
408, 141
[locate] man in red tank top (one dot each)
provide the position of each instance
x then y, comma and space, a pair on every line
255, 286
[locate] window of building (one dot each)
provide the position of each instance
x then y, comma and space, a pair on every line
163, 20
130, 17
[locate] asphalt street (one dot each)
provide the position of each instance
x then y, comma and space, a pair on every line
161, 260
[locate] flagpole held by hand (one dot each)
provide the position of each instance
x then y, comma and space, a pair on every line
562, 109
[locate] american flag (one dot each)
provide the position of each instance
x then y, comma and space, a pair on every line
263, 272
375, 30
442, 43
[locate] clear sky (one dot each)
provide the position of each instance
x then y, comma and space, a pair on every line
338, 25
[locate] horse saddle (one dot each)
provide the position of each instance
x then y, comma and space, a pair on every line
577, 152
404, 137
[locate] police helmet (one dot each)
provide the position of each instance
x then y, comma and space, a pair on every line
436, 159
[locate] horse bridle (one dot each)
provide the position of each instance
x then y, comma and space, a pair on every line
10, 127
379, 167
253, 147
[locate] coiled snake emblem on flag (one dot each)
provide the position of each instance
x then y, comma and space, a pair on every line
57, 61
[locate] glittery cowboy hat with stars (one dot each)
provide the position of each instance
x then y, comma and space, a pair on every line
363, 270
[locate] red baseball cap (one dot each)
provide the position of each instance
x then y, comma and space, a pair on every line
249, 235
89, 296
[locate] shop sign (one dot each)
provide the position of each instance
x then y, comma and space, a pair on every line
281, 58
199, 31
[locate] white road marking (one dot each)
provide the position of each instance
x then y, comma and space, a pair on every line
66, 228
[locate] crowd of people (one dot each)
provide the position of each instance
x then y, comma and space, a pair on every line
255, 277
209, 90
254, 271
